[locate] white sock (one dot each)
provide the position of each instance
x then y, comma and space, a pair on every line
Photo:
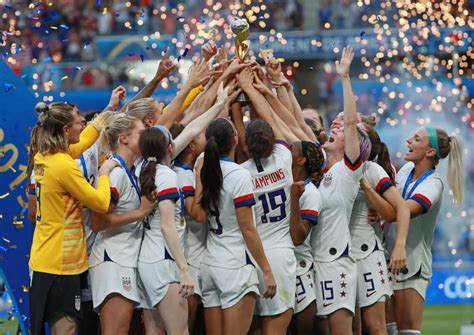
392, 328
409, 332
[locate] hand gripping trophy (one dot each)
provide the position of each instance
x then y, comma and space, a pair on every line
240, 28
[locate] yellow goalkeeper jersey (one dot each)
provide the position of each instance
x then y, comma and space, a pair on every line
59, 242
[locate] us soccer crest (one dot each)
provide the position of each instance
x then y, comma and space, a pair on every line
127, 284
327, 179
77, 302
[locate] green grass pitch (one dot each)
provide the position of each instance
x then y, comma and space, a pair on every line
446, 319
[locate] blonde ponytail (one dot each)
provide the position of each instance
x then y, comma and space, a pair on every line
455, 169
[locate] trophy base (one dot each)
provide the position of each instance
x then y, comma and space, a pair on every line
242, 99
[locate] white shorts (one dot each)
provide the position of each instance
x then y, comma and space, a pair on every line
154, 281
225, 287
283, 264
196, 279
305, 290
110, 277
336, 285
417, 283
372, 279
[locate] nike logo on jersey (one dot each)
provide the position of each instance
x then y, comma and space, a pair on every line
300, 300
369, 294
326, 305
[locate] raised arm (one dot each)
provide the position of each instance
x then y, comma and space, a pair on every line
351, 137
165, 68
196, 126
245, 79
199, 74
274, 71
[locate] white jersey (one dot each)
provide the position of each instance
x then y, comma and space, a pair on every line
225, 244
365, 237
196, 233
272, 179
330, 239
428, 194
89, 165
310, 206
154, 247
120, 244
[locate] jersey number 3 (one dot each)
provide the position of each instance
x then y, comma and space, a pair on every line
272, 201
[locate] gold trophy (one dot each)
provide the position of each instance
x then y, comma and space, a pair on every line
240, 28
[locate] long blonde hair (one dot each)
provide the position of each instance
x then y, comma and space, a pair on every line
452, 146
117, 124
50, 136
141, 108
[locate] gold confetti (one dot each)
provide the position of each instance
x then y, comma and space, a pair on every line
64, 78
3, 196
25, 288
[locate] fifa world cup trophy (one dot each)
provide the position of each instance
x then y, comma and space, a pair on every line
240, 28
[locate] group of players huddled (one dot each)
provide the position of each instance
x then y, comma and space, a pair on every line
230, 211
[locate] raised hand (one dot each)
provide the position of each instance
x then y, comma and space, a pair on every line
199, 74
343, 66
117, 95
222, 58
235, 67
208, 50
245, 78
222, 93
260, 86
166, 66
274, 69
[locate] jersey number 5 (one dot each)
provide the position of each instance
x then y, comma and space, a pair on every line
269, 203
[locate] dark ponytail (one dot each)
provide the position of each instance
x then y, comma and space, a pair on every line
314, 160
153, 148
219, 136
379, 152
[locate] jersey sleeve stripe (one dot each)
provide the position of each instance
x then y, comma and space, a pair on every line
383, 185
244, 200
188, 191
114, 194
310, 215
169, 193
353, 166
422, 200
283, 143
32, 189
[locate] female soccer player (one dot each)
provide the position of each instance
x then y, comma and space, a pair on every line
58, 253
422, 189
373, 285
335, 269
224, 198
113, 261
165, 279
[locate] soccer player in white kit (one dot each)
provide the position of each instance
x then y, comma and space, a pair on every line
270, 168
373, 285
113, 260
165, 281
224, 196
422, 189
335, 268
306, 203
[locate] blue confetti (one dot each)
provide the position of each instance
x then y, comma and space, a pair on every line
5, 54
66, 40
117, 13
47, 59
79, 68
129, 54
97, 2
24, 76
142, 57
64, 26
86, 45
142, 16
3, 248
179, 18
185, 52
362, 33
7, 7
202, 19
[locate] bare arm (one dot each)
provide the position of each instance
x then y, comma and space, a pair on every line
170, 235
351, 137
299, 228
274, 71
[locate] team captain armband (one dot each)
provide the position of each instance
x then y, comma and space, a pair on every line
244, 200
310, 215
188, 191
353, 166
383, 185
169, 193
114, 195
423, 201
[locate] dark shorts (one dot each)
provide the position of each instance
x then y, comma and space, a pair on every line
53, 297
